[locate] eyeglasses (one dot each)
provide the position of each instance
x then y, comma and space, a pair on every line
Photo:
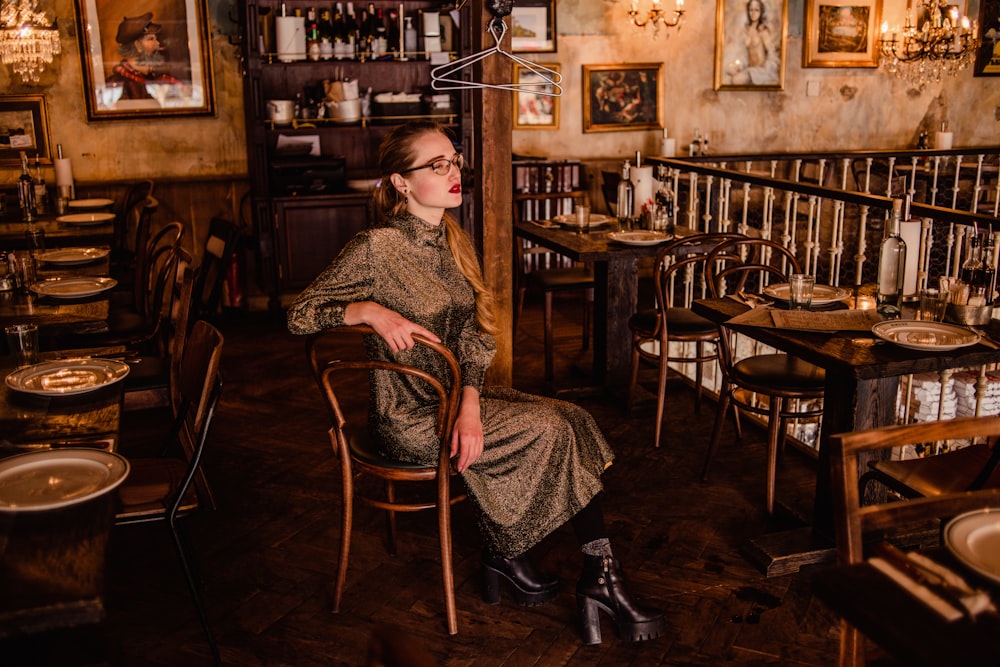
440, 167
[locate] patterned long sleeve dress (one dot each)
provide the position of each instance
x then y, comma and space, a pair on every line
542, 458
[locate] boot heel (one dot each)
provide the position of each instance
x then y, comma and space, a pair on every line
491, 586
590, 620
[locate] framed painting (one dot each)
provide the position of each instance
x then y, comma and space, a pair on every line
988, 55
149, 60
533, 26
841, 35
24, 126
622, 97
534, 110
750, 44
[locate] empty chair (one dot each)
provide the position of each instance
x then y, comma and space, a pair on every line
340, 364
127, 242
678, 278
793, 388
164, 488
541, 270
223, 238
860, 527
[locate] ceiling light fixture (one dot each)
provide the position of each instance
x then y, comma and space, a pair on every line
28, 40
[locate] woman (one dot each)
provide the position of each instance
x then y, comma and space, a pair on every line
760, 57
529, 463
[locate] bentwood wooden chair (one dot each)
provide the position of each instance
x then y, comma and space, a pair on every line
341, 366
778, 386
678, 278
165, 488
538, 269
860, 527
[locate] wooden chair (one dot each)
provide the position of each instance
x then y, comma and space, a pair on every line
678, 278
339, 373
164, 488
223, 237
538, 269
792, 387
127, 242
859, 526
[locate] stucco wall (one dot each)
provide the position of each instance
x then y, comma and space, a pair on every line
855, 108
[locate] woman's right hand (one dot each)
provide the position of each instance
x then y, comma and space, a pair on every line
395, 330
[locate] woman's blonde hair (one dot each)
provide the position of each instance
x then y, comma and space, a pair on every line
395, 155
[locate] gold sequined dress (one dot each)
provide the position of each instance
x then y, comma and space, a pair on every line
542, 459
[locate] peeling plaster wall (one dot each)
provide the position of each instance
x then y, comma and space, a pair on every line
856, 108
165, 148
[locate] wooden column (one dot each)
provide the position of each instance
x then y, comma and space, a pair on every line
493, 190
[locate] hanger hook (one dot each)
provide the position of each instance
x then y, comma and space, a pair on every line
497, 23
500, 8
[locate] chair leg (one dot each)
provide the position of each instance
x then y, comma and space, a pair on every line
661, 392
346, 522
852, 646
720, 418
447, 573
194, 587
547, 325
699, 374
390, 516
775, 431
633, 375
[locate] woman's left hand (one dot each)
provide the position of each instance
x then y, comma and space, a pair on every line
467, 436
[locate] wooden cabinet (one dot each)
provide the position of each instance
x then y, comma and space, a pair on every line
304, 206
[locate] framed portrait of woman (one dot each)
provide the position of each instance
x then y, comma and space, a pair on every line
750, 44
841, 35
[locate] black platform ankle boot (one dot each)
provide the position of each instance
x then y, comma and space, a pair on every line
531, 587
602, 586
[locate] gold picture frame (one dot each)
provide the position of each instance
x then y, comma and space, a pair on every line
24, 126
622, 97
532, 109
122, 81
988, 55
750, 37
841, 35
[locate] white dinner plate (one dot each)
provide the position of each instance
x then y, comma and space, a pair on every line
72, 256
823, 295
73, 287
86, 218
596, 220
54, 478
639, 237
974, 539
923, 335
65, 377
90, 203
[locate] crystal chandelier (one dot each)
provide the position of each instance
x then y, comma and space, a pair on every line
940, 41
28, 40
657, 16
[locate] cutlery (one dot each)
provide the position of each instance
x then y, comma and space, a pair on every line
985, 339
950, 592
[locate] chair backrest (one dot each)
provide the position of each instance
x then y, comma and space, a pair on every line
181, 319
849, 451
223, 237
688, 254
160, 258
335, 355
749, 263
127, 212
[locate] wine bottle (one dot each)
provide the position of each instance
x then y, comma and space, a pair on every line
312, 35
891, 264
989, 266
327, 49
626, 195
351, 29
381, 41
972, 267
41, 191
26, 190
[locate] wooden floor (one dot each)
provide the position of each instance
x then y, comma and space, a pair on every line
268, 554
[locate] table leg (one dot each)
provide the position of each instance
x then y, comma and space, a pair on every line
615, 301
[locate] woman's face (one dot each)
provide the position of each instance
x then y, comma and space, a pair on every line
754, 10
429, 193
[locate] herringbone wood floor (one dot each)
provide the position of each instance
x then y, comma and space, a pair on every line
268, 554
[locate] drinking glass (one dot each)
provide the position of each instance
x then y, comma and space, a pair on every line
933, 303
25, 270
800, 291
583, 216
22, 340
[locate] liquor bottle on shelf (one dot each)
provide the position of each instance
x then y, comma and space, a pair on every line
972, 267
989, 265
351, 32
326, 44
312, 35
891, 265
26, 190
380, 49
394, 35
626, 196
41, 191
664, 196
695, 147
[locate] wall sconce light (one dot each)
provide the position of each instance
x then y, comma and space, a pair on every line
28, 40
657, 16
939, 41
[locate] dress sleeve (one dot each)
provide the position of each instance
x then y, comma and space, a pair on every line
347, 280
475, 354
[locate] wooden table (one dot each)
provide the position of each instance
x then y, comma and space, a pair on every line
862, 381
909, 630
57, 234
616, 274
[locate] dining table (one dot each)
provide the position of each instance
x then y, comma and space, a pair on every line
92, 224
863, 374
616, 285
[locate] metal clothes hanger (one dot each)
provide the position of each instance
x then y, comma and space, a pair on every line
443, 77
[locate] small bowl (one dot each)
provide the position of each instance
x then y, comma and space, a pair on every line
969, 315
